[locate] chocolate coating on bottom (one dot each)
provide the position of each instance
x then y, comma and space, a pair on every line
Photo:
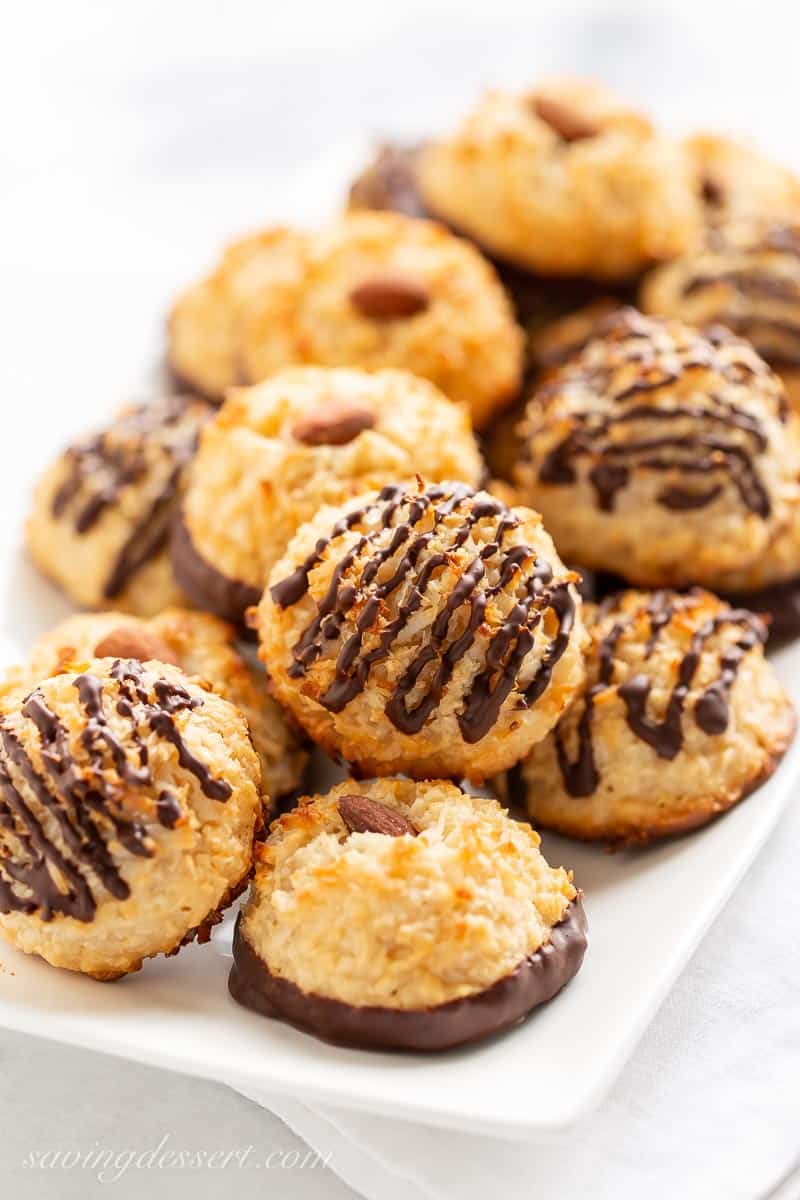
458, 1022
205, 585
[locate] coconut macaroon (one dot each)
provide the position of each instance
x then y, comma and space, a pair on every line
429, 630
679, 718
389, 181
565, 180
101, 512
306, 437
744, 273
735, 179
202, 646
661, 453
404, 915
373, 290
129, 801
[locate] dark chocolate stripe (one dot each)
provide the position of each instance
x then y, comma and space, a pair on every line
83, 803
723, 436
101, 467
404, 548
665, 736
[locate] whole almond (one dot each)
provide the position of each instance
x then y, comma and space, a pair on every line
390, 296
563, 120
333, 425
131, 641
363, 815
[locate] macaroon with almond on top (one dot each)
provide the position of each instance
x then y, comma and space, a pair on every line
564, 179
306, 437
456, 927
373, 290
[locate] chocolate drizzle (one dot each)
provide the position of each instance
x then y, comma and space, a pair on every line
698, 440
394, 561
152, 442
48, 862
665, 735
749, 278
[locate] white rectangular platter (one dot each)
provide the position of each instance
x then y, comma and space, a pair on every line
647, 912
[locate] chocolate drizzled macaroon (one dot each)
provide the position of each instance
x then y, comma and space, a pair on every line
129, 800
562, 180
101, 511
679, 718
744, 273
308, 436
402, 915
428, 630
203, 647
661, 453
373, 290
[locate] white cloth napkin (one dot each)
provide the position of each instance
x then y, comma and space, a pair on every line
707, 1109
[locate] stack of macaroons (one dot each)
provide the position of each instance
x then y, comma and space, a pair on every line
323, 489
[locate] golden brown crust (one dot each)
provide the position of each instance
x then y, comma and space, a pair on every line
427, 918
734, 179
254, 481
331, 298
429, 630
745, 274
130, 805
203, 647
519, 179
680, 718
101, 512
662, 454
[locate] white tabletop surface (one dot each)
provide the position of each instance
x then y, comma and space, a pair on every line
137, 136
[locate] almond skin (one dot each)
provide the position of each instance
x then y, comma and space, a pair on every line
334, 425
390, 296
129, 641
562, 119
363, 815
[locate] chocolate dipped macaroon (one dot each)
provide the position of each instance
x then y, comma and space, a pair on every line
306, 437
426, 629
665, 455
680, 716
373, 290
101, 512
204, 648
129, 802
397, 915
